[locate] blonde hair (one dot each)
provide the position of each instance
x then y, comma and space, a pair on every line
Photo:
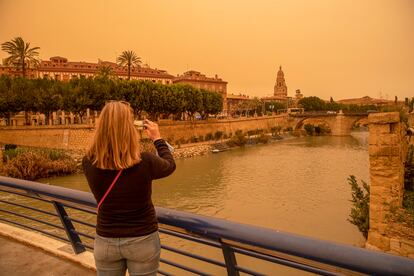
116, 143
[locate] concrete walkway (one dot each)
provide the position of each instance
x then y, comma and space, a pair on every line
20, 259
25, 252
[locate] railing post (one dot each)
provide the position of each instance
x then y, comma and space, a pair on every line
230, 260
69, 228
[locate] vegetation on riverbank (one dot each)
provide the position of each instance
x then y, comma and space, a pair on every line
32, 164
360, 205
408, 199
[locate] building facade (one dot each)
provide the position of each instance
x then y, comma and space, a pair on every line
366, 101
60, 68
14, 72
234, 102
200, 81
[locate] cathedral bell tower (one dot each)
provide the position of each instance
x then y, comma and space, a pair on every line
280, 88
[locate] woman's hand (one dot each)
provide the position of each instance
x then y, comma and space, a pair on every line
152, 130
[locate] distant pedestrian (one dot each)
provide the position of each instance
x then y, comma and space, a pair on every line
120, 178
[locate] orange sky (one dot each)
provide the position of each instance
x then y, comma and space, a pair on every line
338, 48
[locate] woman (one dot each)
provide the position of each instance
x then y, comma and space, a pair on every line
120, 177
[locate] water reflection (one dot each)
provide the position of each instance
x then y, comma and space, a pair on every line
296, 185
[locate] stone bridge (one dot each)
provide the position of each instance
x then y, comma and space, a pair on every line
340, 124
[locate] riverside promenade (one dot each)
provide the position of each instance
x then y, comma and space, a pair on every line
27, 253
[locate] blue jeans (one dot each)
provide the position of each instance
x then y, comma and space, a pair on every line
140, 255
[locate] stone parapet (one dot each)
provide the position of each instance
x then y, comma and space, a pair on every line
78, 137
387, 153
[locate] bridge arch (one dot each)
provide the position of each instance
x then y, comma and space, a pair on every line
340, 124
313, 121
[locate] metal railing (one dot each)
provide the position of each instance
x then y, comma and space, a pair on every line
234, 241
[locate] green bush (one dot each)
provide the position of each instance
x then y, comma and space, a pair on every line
360, 205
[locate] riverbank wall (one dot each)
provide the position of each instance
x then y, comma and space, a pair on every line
78, 137
391, 227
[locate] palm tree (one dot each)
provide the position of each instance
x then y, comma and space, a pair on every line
21, 55
105, 72
128, 59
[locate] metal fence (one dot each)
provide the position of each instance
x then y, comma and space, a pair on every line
235, 242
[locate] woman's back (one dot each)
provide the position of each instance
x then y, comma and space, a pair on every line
128, 210
120, 178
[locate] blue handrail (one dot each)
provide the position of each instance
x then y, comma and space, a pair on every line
306, 253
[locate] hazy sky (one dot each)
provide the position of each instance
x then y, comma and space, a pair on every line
338, 48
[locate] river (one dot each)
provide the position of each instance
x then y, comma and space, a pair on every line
297, 185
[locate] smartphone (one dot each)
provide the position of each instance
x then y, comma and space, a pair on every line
139, 124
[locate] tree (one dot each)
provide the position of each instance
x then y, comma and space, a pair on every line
77, 97
7, 105
312, 103
273, 106
48, 97
212, 103
20, 54
128, 59
105, 72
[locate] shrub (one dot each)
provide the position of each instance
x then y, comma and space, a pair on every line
11, 153
237, 140
209, 136
408, 201
360, 200
275, 130
182, 141
201, 138
32, 164
194, 139
251, 133
218, 134
310, 129
263, 138
9, 147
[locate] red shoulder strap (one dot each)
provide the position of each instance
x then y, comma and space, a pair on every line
109, 189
